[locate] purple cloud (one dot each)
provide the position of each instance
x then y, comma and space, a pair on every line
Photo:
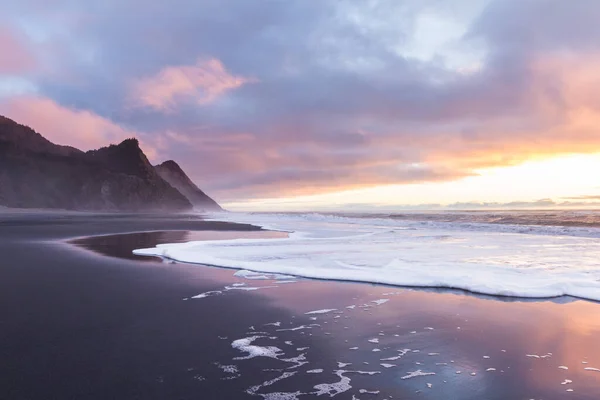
275, 98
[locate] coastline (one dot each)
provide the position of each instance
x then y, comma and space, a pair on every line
82, 325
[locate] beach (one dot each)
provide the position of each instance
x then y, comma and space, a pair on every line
84, 318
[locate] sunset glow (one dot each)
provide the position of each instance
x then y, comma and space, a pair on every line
400, 103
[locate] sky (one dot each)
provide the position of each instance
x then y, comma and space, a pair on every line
330, 104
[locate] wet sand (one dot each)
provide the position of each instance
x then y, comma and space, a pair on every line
95, 322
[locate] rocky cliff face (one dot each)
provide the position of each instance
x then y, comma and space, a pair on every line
36, 173
171, 172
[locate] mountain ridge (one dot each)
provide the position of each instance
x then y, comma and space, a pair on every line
36, 173
171, 172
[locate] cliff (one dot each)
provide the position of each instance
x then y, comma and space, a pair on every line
36, 173
171, 172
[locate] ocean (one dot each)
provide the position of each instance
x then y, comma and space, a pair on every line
528, 254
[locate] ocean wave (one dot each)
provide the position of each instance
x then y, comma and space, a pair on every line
378, 250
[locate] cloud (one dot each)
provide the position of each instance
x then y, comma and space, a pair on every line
16, 57
584, 197
78, 128
343, 94
202, 83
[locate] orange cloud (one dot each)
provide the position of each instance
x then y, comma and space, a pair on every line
203, 82
82, 129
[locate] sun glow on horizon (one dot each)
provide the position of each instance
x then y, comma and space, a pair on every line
559, 179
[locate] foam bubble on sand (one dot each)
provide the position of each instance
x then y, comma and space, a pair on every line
298, 360
592, 369
230, 369
229, 288
374, 340
351, 307
252, 275
245, 345
333, 389
490, 369
399, 356
282, 396
539, 263
324, 311
254, 389
298, 328
416, 374
563, 367
207, 294
364, 391
246, 288
380, 301
566, 382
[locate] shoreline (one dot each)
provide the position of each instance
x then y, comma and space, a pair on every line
90, 326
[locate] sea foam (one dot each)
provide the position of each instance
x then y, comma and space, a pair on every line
537, 264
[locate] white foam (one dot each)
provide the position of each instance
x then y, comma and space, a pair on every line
229, 288
365, 391
534, 262
287, 396
592, 369
315, 371
325, 311
298, 328
245, 345
384, 365
207, 294
380, 302
417, 373
252, 275
333, 389
230, 369
399, 356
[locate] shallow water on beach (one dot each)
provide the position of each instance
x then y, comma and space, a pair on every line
400, 343
122, 245
493, 259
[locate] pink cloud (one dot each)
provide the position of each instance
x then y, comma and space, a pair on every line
203, 82
78, 128
15, 56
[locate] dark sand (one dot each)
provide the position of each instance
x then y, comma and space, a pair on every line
103, 324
